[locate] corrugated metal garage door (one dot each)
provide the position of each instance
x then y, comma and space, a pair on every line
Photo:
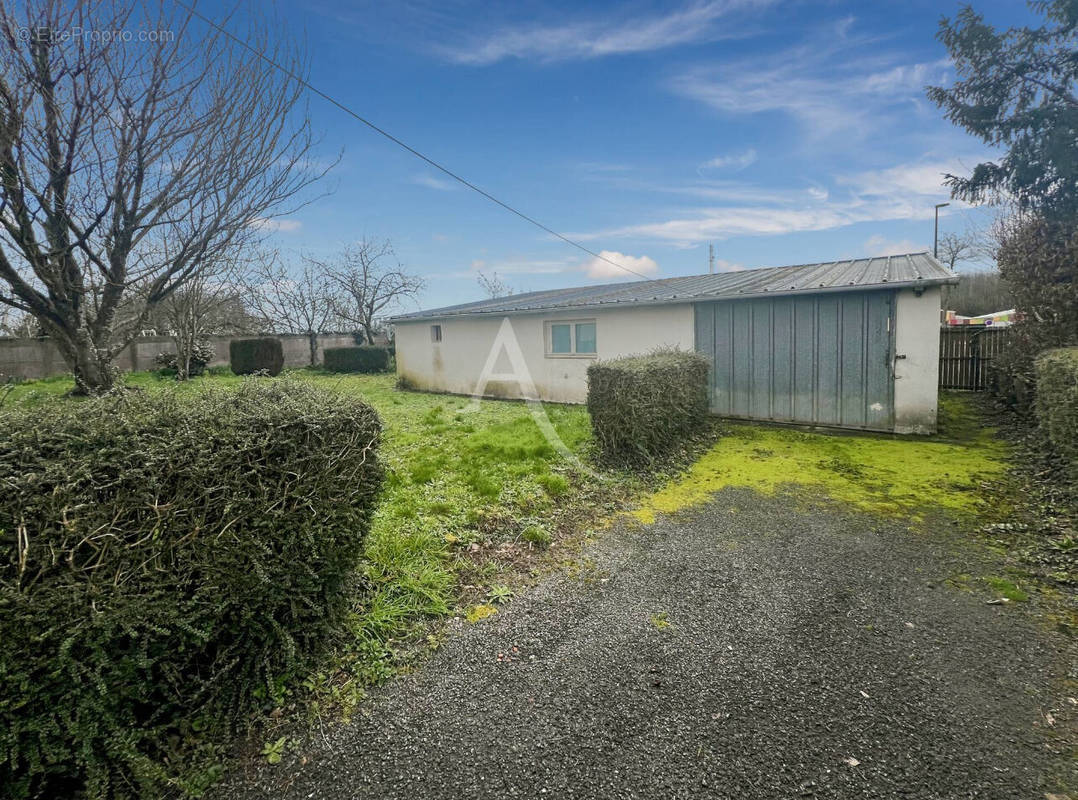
823, 359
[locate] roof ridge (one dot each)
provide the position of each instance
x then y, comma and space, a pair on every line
919, 268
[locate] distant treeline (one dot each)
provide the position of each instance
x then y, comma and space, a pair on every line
978, 293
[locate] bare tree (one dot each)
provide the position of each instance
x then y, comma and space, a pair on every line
204, 306
954, 248
981, 289
493, 285
979, 243
130, 165
371, 281
223, 313
303, 299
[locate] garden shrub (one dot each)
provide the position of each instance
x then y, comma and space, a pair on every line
1056, 403
642, 406
365, 358
264, 354
202, 353
1037, 260
167, 561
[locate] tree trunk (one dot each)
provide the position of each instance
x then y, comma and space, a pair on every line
312, 341
90, 364
185, 344
92, 376
93, 370
186, 336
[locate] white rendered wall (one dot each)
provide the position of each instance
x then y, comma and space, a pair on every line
454, 365
917, 336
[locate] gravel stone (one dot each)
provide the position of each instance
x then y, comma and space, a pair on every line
809, 653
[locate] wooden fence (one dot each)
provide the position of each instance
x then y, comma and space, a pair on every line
966, 353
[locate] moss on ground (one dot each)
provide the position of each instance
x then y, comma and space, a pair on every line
480, 612
1006, 588
882, 474
959, 419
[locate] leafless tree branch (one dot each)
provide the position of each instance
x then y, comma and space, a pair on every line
298, 299
372, 283
493, 285
127, 168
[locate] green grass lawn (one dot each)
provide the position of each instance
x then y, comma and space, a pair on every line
468, 497
472, 499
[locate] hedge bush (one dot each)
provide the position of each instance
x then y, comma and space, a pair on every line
1037, 261
1056, 403
166, 560
642, 406
202, 353
264, 354
366, 358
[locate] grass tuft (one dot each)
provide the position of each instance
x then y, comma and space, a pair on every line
1007, 589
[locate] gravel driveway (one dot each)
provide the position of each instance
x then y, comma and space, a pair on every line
747, 649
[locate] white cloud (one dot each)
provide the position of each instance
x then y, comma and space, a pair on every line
530, 267
600, 268
721, 223
276, 225
880, 246
837, 86
903, 192
710, 224
736, 161
579, 40
710, 189
433, 183
925, 179
512, 266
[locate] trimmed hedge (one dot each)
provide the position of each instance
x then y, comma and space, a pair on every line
202, 353
167, 561
365, 358
264, 354
642, 406
1056, 404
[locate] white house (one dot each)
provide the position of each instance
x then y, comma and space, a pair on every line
852, 344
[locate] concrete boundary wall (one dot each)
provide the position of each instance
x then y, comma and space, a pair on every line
30, 359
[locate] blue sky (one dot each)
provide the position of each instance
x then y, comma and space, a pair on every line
781, 132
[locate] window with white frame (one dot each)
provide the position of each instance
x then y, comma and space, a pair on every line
568, 338
436, 333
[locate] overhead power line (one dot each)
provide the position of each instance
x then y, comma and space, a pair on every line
330, 99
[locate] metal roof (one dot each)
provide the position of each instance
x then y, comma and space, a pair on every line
911, 270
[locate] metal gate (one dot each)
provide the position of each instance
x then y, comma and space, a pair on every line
823, 359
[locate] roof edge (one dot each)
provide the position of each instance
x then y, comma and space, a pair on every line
421, 316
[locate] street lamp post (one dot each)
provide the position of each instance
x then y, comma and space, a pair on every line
936, 236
